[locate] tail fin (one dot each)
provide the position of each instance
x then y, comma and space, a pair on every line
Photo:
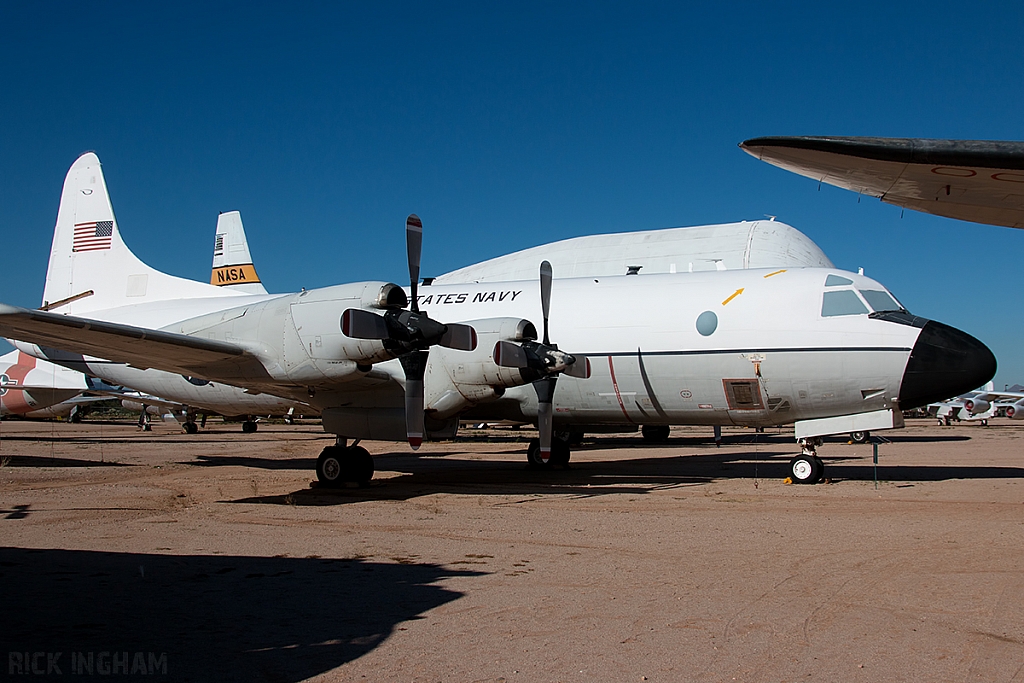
232, 264
90, 267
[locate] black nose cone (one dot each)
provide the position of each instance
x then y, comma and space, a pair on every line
945, 362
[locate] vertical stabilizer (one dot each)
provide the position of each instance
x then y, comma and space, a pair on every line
90, 267
232, 265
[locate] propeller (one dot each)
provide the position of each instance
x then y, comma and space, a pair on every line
545, 361
408, 334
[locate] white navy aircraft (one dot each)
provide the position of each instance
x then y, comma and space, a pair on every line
828, 350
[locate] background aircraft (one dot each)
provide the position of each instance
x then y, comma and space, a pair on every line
971, 180
829, 350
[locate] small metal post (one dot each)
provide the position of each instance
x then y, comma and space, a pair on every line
874, 448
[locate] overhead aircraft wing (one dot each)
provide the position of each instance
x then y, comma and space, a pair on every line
972, 180
136, 346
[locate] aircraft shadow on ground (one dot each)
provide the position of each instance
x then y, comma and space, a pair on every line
217, 618
55, 461
421, 476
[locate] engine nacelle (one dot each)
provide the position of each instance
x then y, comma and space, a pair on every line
1016, 410
457, 380
317, 316
976, 406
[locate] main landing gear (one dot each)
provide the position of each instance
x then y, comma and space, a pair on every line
560, 453
807, 468
341, 464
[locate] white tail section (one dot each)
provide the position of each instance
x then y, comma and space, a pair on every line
91, 268
232, 264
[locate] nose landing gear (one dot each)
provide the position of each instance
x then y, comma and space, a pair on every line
807, 468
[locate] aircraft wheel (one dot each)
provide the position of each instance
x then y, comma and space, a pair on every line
330, 467
655, 433
560, 454
533, 454
940, 421
147, 427
360, 465
190, 428
249, 427
806, 469
860, 437
984, 423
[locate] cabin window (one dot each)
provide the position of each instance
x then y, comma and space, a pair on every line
880, 301
835, 281
843, 302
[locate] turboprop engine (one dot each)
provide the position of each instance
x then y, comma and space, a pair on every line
457, 380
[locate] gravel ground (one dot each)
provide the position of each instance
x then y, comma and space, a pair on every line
164, 556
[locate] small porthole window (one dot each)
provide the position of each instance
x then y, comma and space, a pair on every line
707, 323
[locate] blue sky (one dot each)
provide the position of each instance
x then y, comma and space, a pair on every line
503, 126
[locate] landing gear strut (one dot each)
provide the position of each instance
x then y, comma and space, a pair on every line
340, 463
807, 468
144, 419
189, 426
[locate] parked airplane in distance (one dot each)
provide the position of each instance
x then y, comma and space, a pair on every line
828, 350
28, 384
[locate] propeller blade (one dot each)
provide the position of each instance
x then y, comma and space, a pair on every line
460, 337
545, 296
580, 368
359, 324
509, 355
544, 427
414, 245
414, 412
545, 393
414, 364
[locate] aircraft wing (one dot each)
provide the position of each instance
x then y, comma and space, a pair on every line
972, 180
136, 346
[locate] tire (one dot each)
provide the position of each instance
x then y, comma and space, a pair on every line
806, 469
533, 454
860, 437
560, 453
330, 467
360, 465
190, 428
655, 433
249, 427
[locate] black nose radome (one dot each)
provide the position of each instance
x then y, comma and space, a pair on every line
945, 362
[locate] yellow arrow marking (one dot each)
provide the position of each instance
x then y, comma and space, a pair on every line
733, 296
775, 273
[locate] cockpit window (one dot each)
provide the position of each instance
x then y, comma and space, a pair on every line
835, 281
880, 301
843, 302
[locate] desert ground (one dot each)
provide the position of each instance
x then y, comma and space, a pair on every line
161, 556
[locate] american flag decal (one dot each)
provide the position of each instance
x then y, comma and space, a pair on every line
92, 236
